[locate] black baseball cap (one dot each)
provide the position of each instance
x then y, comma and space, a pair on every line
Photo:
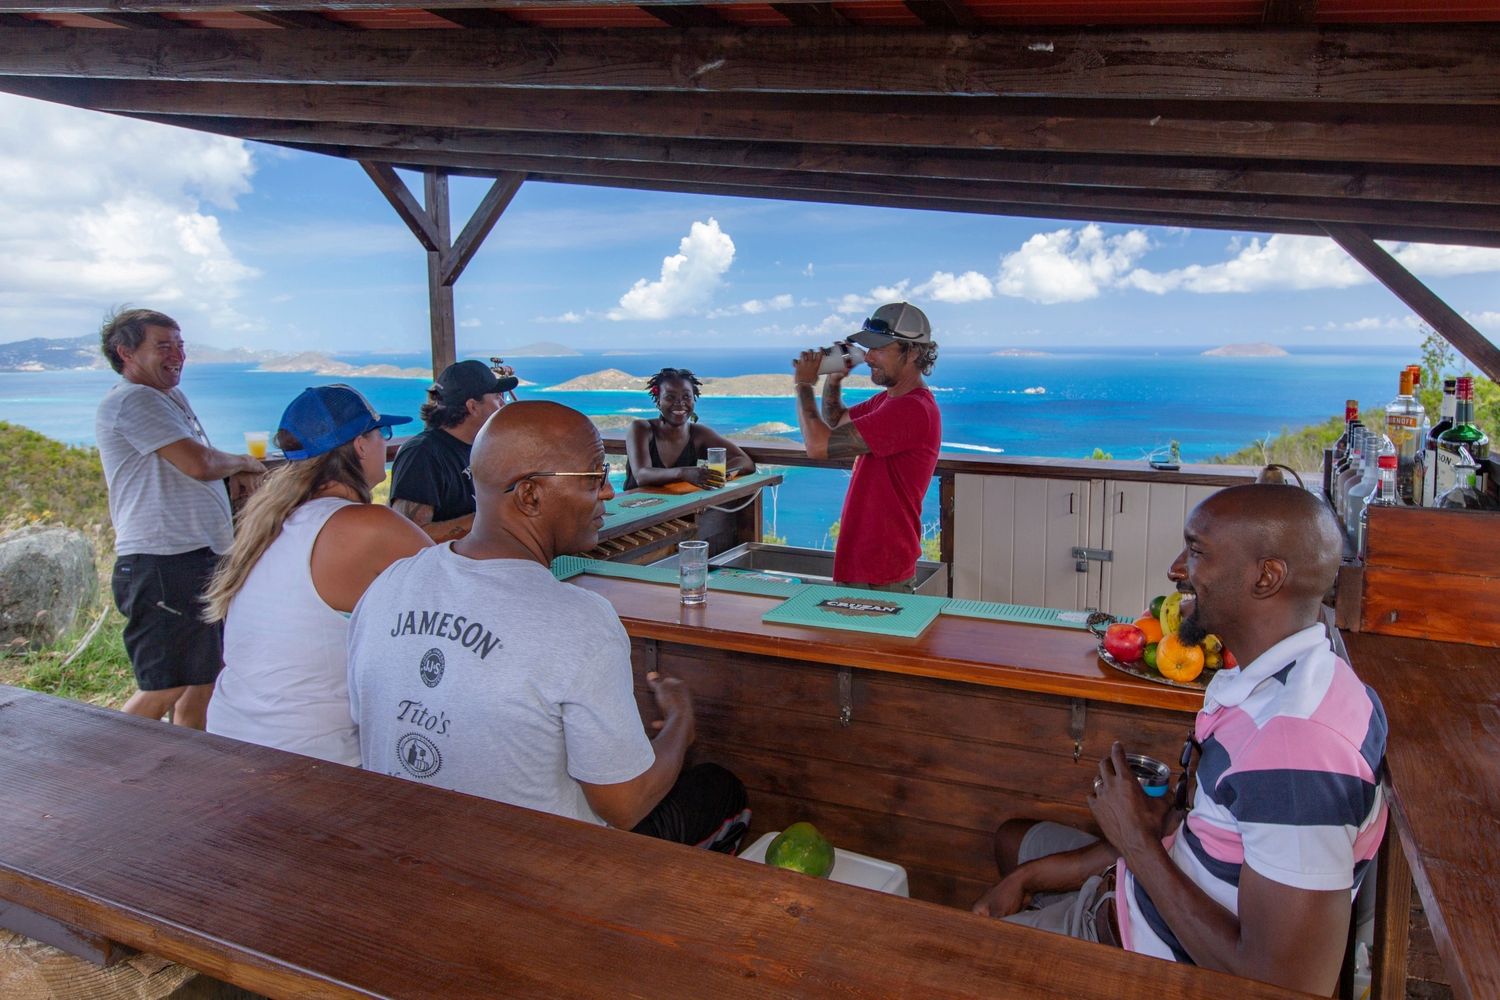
466, 380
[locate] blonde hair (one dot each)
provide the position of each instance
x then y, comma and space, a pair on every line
284, 490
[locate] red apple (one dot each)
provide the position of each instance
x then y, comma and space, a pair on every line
1125, 643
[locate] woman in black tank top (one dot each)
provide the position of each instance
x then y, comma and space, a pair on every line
666, 449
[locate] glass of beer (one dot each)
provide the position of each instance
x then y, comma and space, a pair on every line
256, 443
692, 570
719, 462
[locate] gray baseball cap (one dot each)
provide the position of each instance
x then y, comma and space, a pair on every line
896, 321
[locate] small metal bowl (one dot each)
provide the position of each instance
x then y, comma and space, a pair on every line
1153, 775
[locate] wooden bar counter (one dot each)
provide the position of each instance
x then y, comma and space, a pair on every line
293, 877
908, 750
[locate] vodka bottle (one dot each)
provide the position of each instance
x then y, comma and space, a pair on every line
1367, 485
1427, 459
1340, 447
1402, 420
1466, 494
1354, 468
1385, 498
1463, 434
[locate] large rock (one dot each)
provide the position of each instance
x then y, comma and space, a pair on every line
46, 576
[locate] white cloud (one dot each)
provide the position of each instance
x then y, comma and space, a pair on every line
102, 210
1489, 319
1069, 265
879, 295
971, 286
754, 307
834, 326
568, 317
470, 323
1307, 262
808, 270
688, 278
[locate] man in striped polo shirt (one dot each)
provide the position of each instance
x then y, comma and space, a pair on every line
1258, 879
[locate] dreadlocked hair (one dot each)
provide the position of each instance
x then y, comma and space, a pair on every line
654, 383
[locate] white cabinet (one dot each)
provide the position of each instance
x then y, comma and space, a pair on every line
1015, 536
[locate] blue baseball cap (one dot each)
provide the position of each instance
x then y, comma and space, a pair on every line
325, 416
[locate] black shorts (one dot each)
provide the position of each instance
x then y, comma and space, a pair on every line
161, 598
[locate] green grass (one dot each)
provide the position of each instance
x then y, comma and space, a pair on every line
47, 482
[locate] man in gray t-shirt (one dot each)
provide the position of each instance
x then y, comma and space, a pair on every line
170, 508
472, 668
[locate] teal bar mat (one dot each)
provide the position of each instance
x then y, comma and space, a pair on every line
740, 582
853, 610
630, 571
630, 505
1016, 613
567, 567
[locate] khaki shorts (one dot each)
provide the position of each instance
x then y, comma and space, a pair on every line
1077, 914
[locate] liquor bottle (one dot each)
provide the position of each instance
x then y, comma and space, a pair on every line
1463, 434
1340, 448
1466, 494
1352, 471
1401, 422
1424, 422
1428, 457
1385, 497
1368, 485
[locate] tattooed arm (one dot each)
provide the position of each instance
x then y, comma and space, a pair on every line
420, 514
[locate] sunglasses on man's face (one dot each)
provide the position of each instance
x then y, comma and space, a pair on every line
600, 476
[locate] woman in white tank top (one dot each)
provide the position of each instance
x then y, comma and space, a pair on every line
307, 545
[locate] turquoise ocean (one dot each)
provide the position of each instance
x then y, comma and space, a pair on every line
1130, 404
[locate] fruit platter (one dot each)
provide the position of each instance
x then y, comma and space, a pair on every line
1151, 648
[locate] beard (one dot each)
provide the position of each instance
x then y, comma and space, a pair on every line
1192, 631
880, 377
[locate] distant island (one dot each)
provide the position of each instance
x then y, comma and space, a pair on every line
315, 363
1019, 352
1260, 350
540, 349
770, 427
615, 380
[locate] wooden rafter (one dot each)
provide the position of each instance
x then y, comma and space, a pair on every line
1390, 134
1452, 185
1409, 289
1416, 67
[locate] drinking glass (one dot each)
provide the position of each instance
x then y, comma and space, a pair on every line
692, 569
256, 443
718, 461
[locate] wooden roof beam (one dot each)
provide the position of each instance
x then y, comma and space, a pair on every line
943, 13
139, 22
1300, 13
1407, 287
1449, 185
483, 20
811, 15
1447, 66
1418, 135
1468, 225
299, 20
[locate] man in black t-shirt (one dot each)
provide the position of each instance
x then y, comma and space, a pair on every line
430, 481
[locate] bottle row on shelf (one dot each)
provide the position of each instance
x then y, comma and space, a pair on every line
1410, 462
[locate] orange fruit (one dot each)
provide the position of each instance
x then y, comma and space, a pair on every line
1150, 626
1177, 661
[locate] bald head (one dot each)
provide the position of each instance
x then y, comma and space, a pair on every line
531, 436
1281, 522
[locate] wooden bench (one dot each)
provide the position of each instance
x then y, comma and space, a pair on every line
290, 876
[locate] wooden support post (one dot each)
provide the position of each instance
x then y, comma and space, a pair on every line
1392, 918
439, 292
1424, 302
446, 259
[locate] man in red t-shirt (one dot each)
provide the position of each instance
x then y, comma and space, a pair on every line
893, 439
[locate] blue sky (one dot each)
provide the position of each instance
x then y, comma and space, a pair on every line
250, 245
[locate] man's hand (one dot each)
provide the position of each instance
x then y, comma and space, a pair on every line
1127, 816
805, 367
1005, 897
674, 701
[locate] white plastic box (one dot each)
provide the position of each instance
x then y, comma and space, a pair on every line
848, 868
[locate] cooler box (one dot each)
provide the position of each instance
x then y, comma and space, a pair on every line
848, 868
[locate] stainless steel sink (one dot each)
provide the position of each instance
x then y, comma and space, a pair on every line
808, 565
